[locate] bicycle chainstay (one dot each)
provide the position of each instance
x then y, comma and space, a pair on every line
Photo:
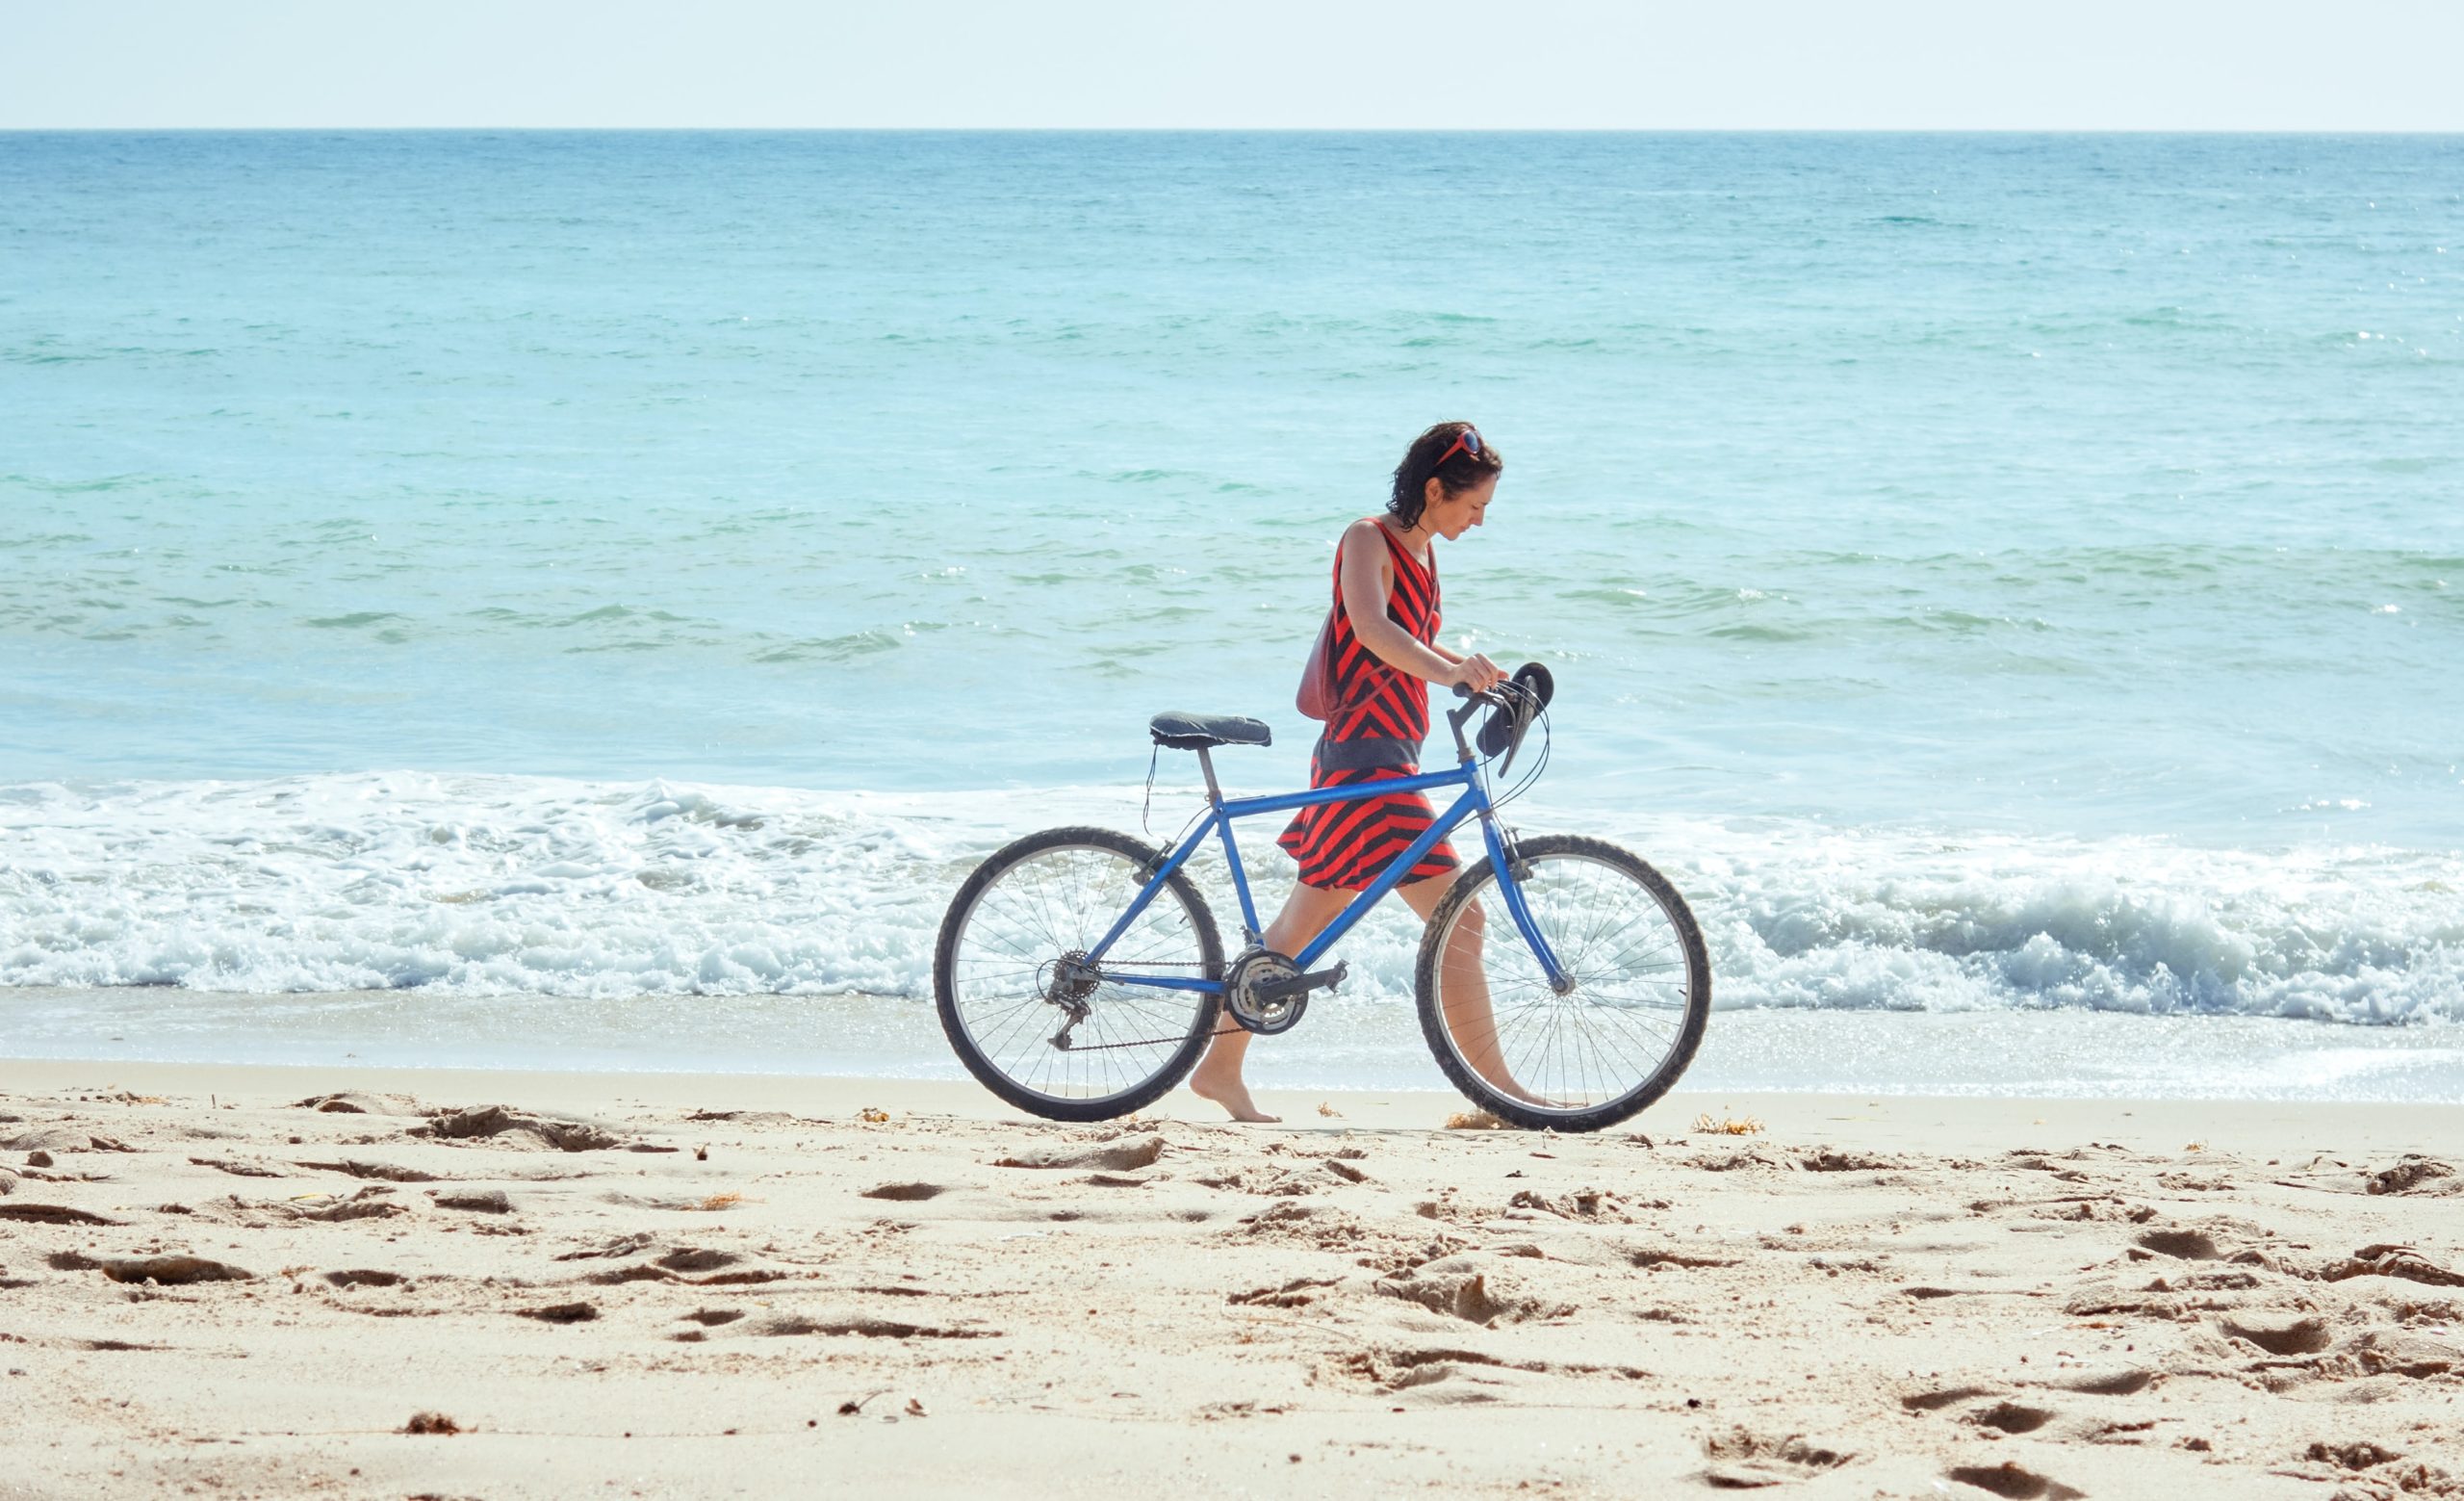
1150, 1041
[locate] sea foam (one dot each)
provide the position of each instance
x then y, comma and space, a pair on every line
503, 884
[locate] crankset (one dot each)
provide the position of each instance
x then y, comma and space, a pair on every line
1266, 993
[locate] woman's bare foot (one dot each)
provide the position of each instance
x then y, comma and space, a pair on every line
1233, 1096
1505, 1084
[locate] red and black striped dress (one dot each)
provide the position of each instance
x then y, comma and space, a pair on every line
1346, 845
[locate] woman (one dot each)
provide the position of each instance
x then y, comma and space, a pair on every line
1385, 655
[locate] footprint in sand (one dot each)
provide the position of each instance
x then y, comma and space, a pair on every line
358, 1103
2011, 1417
1466, 1296
562, 1313
166, 1271
1650, 1260
1402, 1370
2012, 1480
1301, 1224
2358, 1455
369, 1204
60, 1138
695, 1265
1743, 1459
366, 1278
695, 1258
905, 1193
483, 1200
2181, 1245
483, 1121
618, 1276
1300, 1292
2283, 1334
1586, 1203
621, 1245
2122, 1382
781, 1325
355, 1168
51, 1214
2401, 1353
1934, 1401
237, 1167
1123, 1157
2391, 1260
1831, 1160
2409, 1174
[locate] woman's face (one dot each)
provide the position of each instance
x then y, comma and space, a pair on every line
1450, 516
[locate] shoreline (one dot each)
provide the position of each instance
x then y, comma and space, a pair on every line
1864, 1120
681, 1285
1354, 1044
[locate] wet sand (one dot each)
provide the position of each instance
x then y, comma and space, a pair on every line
241, 1282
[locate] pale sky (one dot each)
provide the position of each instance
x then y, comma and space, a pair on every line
1982, 65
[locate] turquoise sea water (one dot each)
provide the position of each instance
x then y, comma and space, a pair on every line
1985, 570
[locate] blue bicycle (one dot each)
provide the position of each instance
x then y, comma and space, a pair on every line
1079, 975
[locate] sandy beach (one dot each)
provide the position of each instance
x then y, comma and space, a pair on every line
272, 1281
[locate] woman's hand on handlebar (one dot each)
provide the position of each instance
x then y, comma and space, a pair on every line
1474, 673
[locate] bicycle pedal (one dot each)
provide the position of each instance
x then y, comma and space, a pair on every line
1303, 984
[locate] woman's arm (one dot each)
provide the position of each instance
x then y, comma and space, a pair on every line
1364, 583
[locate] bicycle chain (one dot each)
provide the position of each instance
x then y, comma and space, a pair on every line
1152, 1042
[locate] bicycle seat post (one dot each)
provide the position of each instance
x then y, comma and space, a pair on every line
1206, 764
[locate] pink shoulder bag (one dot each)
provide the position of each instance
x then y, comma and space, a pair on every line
1316, 696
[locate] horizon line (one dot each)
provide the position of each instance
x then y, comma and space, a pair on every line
1256, 130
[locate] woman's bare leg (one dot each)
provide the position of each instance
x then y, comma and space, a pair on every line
1305, 914
1465, 981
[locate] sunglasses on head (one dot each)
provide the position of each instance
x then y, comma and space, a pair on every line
1468, 441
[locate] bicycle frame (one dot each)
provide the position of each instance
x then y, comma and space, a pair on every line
1223, 811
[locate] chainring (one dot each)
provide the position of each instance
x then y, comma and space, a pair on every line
1254, 1013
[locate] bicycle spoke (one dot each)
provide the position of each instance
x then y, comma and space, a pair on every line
1616, 1027
1009, 983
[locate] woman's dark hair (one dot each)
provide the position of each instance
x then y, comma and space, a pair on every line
1468, 459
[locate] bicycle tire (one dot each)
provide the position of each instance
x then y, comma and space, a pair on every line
1157, 1070
1693, 1013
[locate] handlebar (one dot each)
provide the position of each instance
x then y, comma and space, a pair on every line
1518, 700
1473, 702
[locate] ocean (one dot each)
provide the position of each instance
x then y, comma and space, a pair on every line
615, 584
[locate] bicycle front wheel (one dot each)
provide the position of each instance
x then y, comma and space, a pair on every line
1047, 1033
1604, 1043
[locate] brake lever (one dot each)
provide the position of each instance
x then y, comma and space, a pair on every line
1514, 747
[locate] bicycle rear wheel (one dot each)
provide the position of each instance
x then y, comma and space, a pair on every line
1069, 1046
1621, 1031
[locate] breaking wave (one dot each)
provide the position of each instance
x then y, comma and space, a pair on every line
501, 884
